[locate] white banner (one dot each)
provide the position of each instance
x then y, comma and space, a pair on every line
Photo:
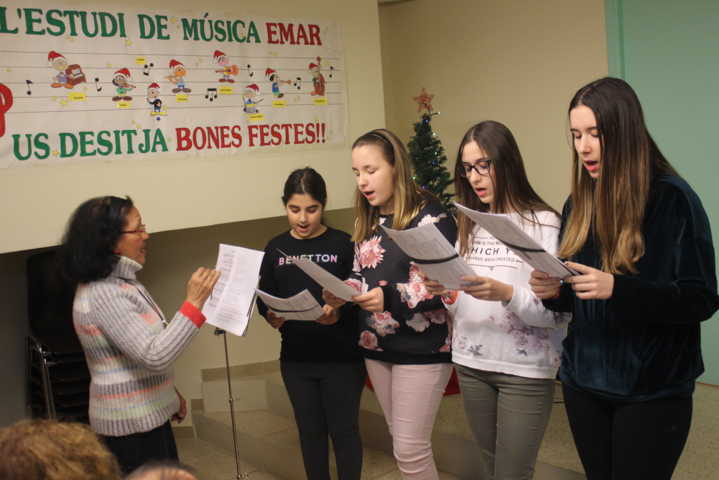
84, 85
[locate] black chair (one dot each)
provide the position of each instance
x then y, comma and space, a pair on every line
57, 374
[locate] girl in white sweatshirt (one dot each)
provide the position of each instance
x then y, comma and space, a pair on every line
506, 346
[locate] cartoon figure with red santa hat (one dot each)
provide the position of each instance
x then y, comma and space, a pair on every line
67, 75
274, 79
153, 98
227, 70
177, 76
121, 80
318, 80
250, 98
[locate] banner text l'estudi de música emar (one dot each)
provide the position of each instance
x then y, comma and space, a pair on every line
78, 85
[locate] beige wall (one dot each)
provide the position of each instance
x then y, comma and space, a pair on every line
175, 195
515, 61
199, 191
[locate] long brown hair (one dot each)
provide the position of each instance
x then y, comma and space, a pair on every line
407, 197
512, 190
612, 207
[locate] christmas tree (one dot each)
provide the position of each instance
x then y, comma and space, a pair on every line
427, 153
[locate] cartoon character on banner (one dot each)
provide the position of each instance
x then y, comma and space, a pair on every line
121, 80
318, 80
227, 70
67, 75
6, 101
250, 98
177, 76
153, 98
274, 78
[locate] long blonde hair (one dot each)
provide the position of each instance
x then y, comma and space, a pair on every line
407, 198
612, 207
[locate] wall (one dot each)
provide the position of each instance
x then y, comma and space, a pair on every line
178, 196
676, 85
199, 191
517, 62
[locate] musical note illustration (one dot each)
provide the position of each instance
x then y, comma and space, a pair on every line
29, 83
97, 84
211, 94
297, 83
249, 70
146, 69
332, 71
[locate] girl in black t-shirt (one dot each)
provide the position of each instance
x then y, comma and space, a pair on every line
320, 361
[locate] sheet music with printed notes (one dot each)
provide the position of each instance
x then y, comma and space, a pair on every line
432, 253
301, 306
324, 278
503, 228
232, 301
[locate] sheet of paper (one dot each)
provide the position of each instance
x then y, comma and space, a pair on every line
302, 306
432, 253
503, 228
324, 278
233, 299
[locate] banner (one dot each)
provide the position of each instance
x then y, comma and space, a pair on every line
85, 85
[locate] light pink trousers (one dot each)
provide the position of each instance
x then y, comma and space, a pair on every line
410, 396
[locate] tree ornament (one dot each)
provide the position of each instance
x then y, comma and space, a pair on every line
427, 153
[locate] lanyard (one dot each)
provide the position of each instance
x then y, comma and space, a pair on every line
151, 303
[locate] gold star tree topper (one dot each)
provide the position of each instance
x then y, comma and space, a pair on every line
424, 101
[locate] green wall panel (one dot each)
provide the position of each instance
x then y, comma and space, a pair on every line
669, 52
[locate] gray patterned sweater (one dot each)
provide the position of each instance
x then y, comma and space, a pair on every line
129, 349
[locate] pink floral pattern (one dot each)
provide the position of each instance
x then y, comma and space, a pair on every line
413, 291
526, 339
384, 324
369, 253
427, 219
368, 340
439, 317
418, 323
358, 285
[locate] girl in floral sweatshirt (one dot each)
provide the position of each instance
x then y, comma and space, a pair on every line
404, 330
506, 344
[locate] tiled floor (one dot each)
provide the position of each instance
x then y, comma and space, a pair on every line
214, 464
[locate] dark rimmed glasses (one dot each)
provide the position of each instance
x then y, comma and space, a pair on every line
481, 167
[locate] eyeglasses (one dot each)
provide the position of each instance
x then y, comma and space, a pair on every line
481, 167
142, 228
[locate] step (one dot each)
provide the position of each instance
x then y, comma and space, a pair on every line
452, 441
270, 441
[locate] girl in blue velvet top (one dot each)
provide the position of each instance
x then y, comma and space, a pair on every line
639, 237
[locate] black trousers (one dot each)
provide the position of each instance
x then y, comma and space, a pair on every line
628, 441
325, 398
133, 451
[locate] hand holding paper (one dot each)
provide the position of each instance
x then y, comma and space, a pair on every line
433, 254
230, 306
339, 288
525, 247
302, 306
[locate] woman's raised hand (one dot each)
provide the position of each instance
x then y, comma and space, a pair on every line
544, 286
200, 285
331, 299
372, 301
433, 287
591, 283
274, 320
487, 288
